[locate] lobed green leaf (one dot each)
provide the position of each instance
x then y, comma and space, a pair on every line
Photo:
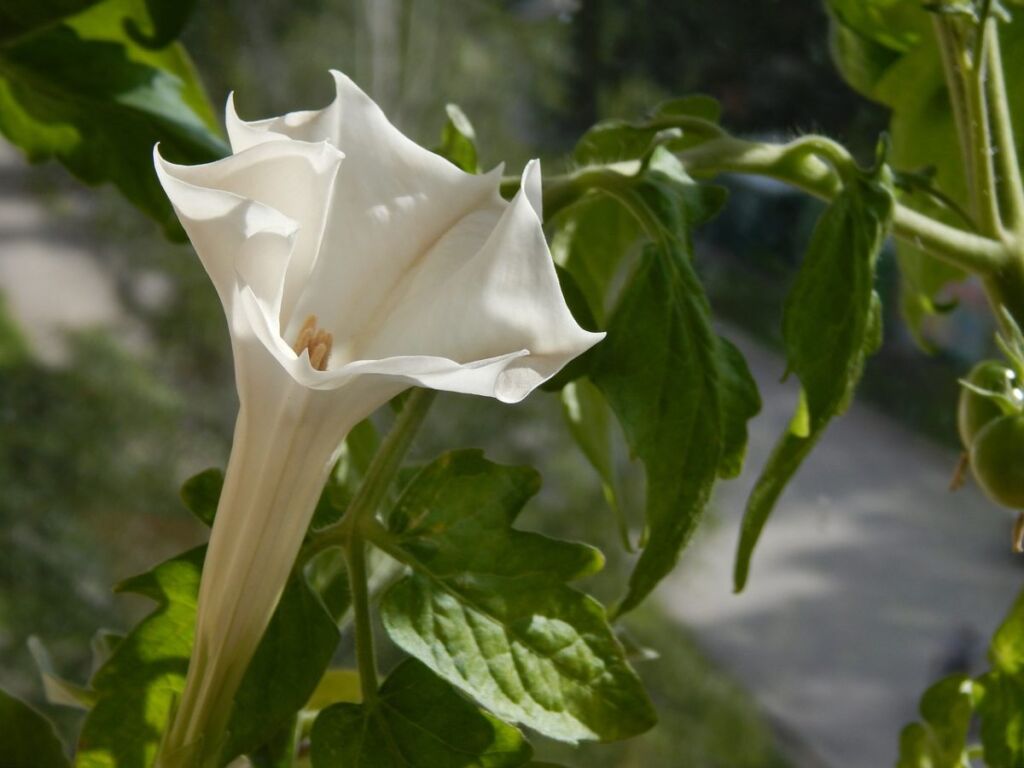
136, 687
681, 394
487, 607
416, 721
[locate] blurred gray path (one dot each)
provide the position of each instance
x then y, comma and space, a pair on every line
869, 580
49, 279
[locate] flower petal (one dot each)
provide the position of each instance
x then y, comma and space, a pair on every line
469, 300
393, 201
290, 182
480, 313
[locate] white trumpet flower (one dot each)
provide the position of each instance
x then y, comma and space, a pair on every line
351, 264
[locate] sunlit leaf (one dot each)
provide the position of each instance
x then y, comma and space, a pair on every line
487, 607
416, 721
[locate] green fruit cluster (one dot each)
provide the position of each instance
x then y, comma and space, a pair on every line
991, 428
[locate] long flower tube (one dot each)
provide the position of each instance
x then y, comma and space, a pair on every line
351, 264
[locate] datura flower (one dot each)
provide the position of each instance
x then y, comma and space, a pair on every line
351, 264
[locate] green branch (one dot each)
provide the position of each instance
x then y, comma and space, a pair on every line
347, 532
986, 195
800, 164
946, 37
1005, 146
355, 559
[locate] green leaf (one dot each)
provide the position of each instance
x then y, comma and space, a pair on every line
487, 607
1001, 703
612, 141
592, 237
83, 92
29, 740
887, 49
285, 671
19, 18
658, 370
109, 21
167, 21
1006, 651
145, 673
415, 721
279, 750
201, 493
940, 741
677, 390
831, 323
740, 402
1001, 710
458, 141
589, 419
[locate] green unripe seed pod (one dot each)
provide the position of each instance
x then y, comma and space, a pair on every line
974, 411
997, 458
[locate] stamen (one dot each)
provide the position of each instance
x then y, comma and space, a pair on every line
305, 334
317, 341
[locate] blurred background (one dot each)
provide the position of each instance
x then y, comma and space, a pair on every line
116, 380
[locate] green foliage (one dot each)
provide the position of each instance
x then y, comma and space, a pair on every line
740, 403
661, 366
995, 699
200, 494
831, 323
589, 419
487, 607
415, 721
136, 687
29, 739
85, 92
611, 141
887, 50
23, 17
941, 739
284, 673
458, 140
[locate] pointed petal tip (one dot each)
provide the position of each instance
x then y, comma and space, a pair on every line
533, 188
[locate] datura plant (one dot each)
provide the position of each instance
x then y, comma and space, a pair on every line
352, 264
357, 269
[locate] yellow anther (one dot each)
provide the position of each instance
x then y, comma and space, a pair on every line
317, 341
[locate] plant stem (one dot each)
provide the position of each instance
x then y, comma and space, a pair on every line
1005, 288
986, 196
1006, 147
800, 165
347, 532
945, 34
378, 477
355, 558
